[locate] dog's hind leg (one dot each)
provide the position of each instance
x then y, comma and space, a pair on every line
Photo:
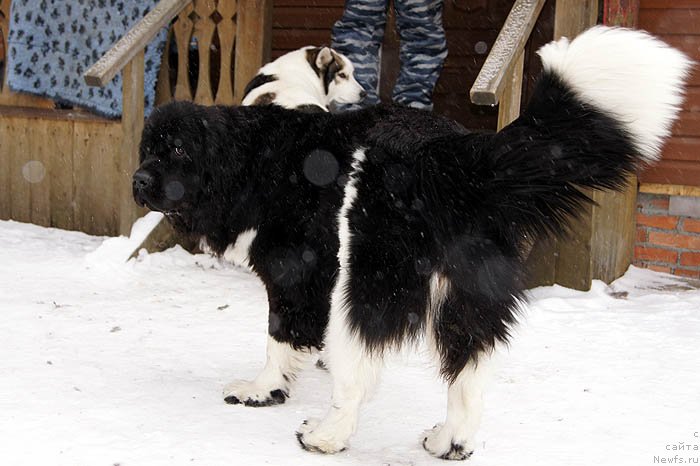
272, 385
454, 439
467, 318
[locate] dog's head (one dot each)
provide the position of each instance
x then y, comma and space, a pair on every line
172, 177
337, 73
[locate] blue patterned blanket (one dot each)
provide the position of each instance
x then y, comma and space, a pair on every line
52, 43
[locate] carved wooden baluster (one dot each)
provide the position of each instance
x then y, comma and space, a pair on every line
163, 92
183, 31
254, 31
204, 29
227, 39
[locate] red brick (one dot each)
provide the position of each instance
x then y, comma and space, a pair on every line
655, 203
691, 225
641, 235
691, 259
655, 254
665, 222
659, 268
660, 203
687, 273
674, 240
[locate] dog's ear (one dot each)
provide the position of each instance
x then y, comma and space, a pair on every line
324, 58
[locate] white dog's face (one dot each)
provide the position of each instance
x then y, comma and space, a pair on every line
344, 88
307, 77
337, 71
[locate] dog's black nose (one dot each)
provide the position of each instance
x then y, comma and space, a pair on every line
363, 94
142, 180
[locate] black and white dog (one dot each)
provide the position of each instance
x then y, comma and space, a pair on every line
310, 79
377, 227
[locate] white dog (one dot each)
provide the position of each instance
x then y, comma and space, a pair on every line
310, 79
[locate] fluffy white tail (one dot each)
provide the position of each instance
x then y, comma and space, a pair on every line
628, 74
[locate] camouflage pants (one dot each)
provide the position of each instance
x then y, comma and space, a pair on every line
359, 34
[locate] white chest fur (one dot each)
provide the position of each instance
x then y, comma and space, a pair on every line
238, 252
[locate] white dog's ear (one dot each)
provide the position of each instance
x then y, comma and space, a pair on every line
324, 58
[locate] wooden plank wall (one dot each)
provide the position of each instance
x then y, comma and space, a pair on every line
471, 28
678, 23
59, 169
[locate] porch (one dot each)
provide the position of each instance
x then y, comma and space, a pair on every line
69, 169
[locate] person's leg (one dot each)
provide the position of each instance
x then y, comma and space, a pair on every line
423, 51
358, 35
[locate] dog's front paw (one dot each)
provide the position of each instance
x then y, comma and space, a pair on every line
253, 394
313, 437
440, 442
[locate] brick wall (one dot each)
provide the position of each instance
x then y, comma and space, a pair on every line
668, 234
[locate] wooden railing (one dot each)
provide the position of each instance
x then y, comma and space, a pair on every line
223, 41
133, 43
500, 79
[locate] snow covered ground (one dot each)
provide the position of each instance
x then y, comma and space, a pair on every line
104, 362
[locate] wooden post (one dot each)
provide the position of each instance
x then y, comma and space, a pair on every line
601, 241
615, 219
132, 126
574, 16
567, 261
253, 42
509, 103
573, 255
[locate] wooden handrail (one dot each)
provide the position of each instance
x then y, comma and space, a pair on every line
133, 42
506, 51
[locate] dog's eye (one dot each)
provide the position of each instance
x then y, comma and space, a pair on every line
342, 76
180, 151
